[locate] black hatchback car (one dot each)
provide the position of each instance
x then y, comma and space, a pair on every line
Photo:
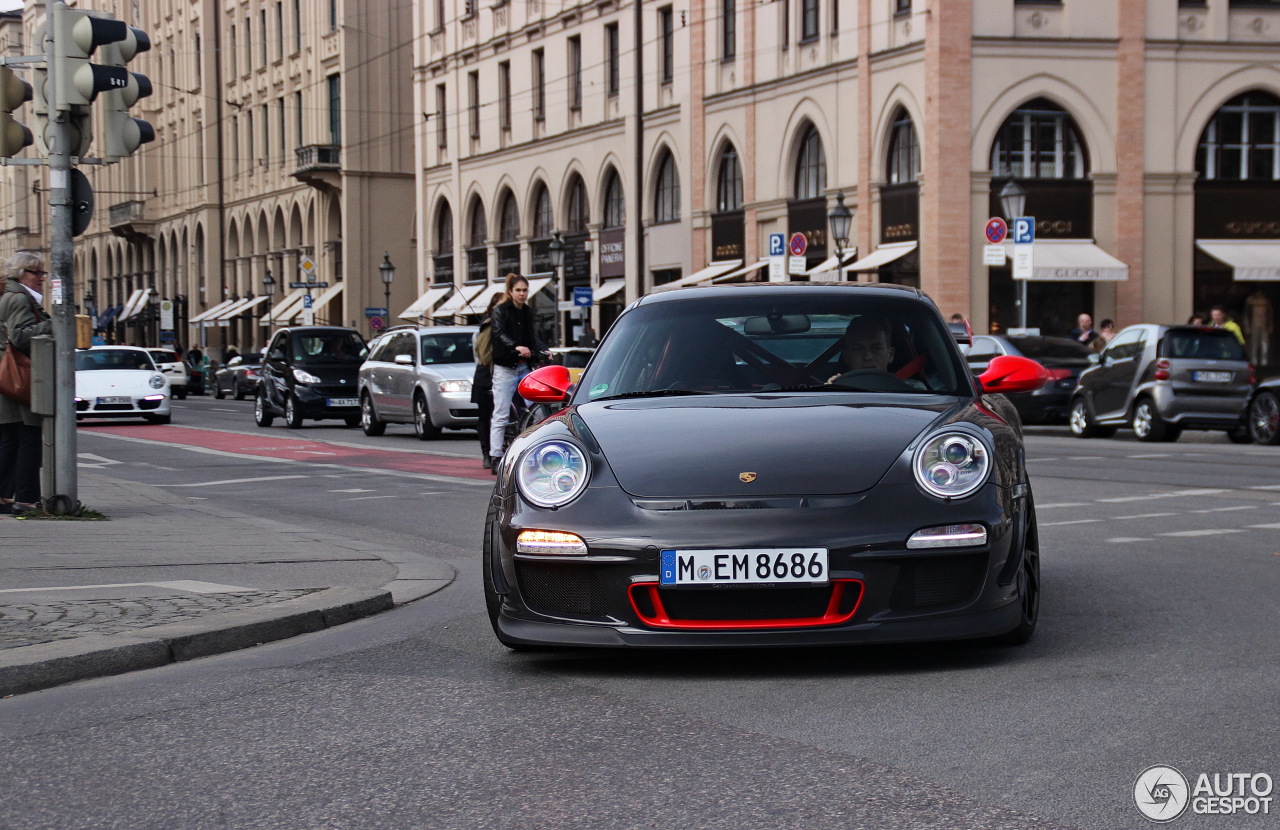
1064, 358
309, 373
760, 465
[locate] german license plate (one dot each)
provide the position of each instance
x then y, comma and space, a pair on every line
342, 402
760, 566
115, 399
1211, 377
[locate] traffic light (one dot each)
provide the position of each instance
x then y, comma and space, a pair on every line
121, 132
14, 92
76, 34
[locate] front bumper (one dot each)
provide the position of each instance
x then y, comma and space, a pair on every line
313, 401
452, 409
892, 594
138, 408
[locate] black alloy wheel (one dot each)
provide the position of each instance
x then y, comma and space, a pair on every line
239, 390
369, 419
262, 414
1028, 587
1240, 434
292, 412
1264, 418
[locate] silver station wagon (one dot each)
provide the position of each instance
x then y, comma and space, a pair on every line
419, 375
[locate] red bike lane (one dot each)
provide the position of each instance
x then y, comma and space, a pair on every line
301, 449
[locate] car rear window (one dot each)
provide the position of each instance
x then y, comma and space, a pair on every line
1201, 344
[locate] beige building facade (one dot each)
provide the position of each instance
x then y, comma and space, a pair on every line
283, 138
1143, 133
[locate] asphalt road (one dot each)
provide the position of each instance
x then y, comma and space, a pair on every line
1157, 645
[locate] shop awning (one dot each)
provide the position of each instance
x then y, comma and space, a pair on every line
105, 318
241, 308
454, 304
882, 255
230, 311
1073, 260
738, 274
426, 302
480, 302
831, 266
319, 303
707, 274
134, 304
607, 289
211, 313
284, 311
1250, 259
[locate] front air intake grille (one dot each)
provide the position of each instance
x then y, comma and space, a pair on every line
782, 607
937, 581
561, 590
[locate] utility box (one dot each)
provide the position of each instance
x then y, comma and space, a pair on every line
84, 331
43, 378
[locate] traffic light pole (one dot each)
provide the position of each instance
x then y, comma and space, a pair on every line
65, 495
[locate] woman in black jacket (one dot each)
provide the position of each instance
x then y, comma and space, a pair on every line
515, 345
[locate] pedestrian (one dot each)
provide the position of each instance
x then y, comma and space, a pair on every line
232, 352
1196, 319
1083, 332
1106, 331
1218, 319
482, 381
22, 317
515, 348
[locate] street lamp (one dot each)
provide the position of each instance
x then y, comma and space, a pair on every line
840, 218
1013, 201
557, 262
388, 272
153, 300
269, 288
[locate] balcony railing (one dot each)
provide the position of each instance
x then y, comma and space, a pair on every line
318, 157
125, 213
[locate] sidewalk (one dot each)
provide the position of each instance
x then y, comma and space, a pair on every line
168, 579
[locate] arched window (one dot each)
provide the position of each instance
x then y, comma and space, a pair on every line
904, 151
615, 205
1039, 141
509, 230
479, 229
477, 252
579, 212
543, 219
729, 182
666, 203
811, 166
444, 230
1242, 140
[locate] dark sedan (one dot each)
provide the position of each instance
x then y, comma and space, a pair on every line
761, 465
1063, 357
239, 377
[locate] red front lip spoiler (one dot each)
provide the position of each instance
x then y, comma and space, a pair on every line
832, 615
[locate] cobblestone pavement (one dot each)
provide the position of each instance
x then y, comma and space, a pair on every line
46, 622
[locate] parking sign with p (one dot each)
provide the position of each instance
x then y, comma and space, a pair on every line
1024, 230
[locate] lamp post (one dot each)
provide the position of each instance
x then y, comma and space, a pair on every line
557, 262
153, 301
269, 288
840, 218
388, 272
1013, 201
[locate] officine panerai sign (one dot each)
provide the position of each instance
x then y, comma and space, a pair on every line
613, 261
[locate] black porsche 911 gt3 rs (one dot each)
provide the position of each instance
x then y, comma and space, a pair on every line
763, 465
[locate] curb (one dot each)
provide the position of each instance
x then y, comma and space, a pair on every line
100, 655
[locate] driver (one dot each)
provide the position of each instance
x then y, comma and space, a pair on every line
866, 346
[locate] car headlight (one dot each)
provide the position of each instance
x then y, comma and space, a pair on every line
454, 386
303, 376
952, 464
552, 473
157, 381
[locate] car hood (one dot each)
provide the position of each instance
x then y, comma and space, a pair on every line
115, 381
700, 447
450, 371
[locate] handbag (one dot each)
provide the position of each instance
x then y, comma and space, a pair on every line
15, 375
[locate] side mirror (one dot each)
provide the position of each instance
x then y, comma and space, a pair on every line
404, 359
1095, 359
1009, 373
550, 384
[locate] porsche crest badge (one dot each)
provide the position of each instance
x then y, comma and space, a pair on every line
746, 478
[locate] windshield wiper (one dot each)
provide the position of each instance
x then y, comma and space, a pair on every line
655, 393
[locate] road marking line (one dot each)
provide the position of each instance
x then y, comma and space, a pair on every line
1149, 455
1087, 458
1061, 504
1265, 487
1029, 460
1119, 540
1208, 532
195, 586
96, 459
366, 498
1272, 526
1148, 516
1072, 522
232, 481
1177, 494
352, 490
216, 409
1226, 509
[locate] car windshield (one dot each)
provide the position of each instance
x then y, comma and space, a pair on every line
113, 359
328, 347
1039, 348
451, 347
163, 356
770, 341
1202, 344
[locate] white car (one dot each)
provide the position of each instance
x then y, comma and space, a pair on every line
168, 362
120, 382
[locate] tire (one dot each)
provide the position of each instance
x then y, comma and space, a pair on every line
533, 416
352, 420
1264, 418
180, 394
1149, 426
158, 419
492, 600
422, 426
369, 419
292, 413
1028, 588
1240, 434
218, 393
239, 393
262, 414
1080, 421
